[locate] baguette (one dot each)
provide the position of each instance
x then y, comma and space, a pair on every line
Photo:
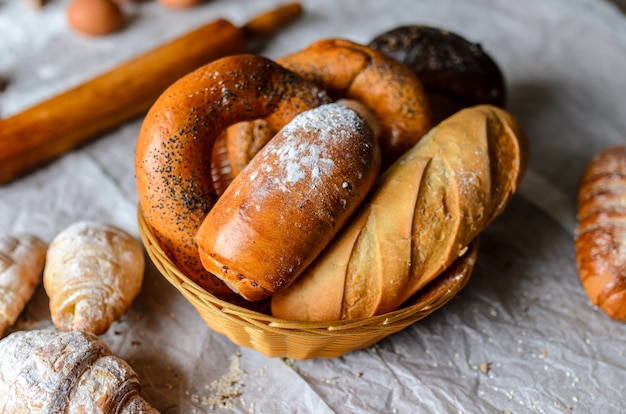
421, 216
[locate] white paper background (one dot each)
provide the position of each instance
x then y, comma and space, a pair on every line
523, 313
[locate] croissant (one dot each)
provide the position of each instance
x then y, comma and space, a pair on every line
93, 272
44, 371
21, 264
420, 217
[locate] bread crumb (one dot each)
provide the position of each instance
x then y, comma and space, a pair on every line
485, 367
291, 364
224, 390
261, 371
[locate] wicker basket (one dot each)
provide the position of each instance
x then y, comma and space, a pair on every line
275, 337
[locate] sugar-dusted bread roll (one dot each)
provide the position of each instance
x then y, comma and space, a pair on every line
421, 216
22, 259
93, 272
290, 200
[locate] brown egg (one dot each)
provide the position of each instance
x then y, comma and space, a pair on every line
95, 17
180, 4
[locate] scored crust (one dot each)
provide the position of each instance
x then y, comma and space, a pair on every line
601, 233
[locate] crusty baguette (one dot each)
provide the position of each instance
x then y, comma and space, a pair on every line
601, 233
421, 216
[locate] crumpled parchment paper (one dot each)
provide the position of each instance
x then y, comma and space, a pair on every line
521, 337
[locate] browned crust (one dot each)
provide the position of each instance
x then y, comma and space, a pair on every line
288, 203
601, 234
390, 90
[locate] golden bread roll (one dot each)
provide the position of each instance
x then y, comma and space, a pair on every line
289, 201
601, 235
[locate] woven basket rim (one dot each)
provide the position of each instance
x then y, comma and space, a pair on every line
421, 302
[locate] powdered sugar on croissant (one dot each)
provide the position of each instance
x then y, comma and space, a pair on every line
21, 264
93, 273
44, 371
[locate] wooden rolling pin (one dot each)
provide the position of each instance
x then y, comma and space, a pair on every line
49, 129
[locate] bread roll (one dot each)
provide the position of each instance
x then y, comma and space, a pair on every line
244, 140
421, 216
289, 202
455, 72
601, 235
93, 273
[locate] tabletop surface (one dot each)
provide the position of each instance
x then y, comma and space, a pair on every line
520, 337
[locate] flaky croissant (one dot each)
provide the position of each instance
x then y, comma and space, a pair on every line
45, 371
423, 212
22, 259
93, 272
